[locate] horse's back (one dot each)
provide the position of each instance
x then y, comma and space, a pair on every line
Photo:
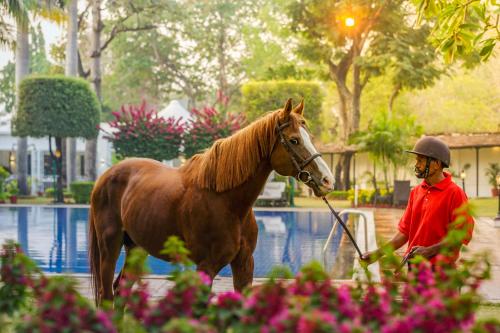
115, 184
144, 193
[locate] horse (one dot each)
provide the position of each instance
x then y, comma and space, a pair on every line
207, 202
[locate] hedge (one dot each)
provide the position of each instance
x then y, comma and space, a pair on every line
56, 105
81, 191
338, 195
262, 96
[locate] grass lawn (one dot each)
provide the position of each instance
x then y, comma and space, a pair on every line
485, 206
482, 206
313, 202
488, 311
40, 201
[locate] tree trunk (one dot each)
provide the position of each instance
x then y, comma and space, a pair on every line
395, 93
222, 93
71, 70
342, 169
22, 70
95, 74
64, 161
346, 170
58, 155
350, 104
339, 185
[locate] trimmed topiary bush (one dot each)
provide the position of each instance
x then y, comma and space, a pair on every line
60, 107
262, 96
81, 191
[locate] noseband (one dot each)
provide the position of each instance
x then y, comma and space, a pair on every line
297, 160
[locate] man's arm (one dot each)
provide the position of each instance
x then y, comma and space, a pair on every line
398, 240
430, 251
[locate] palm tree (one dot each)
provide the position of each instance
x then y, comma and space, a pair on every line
19, 11
72, 70
22, 69
16, 10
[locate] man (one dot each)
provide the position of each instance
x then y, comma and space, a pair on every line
431, 207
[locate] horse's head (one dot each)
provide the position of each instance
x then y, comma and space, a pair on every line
294, 153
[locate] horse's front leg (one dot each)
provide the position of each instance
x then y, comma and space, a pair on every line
243, 264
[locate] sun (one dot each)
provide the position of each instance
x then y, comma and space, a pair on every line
349, 22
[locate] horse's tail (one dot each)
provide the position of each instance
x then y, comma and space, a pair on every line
94, 258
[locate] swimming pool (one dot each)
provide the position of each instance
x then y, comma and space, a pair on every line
56, 238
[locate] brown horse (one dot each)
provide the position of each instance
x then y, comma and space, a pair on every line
207, 202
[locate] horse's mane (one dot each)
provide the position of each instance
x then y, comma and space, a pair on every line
231, 161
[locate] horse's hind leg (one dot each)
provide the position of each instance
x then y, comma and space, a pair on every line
110, 243
129, 245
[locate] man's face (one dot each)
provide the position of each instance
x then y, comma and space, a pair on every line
421, 162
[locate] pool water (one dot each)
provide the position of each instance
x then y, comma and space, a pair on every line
56, 238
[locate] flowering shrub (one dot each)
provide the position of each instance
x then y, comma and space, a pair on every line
427, 299
15, 276
138, 131
207, 126
57, 306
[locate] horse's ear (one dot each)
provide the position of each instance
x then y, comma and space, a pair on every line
287, 109
299, 108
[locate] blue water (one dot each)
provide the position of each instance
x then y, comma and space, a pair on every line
56, 238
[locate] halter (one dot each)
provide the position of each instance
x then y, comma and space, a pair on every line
297, 160
306, 177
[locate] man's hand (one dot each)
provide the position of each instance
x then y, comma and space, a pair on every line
424, 251
371, 256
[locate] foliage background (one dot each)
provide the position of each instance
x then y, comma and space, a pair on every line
262, 96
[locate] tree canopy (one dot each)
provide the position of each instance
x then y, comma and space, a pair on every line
466, 30
57, 106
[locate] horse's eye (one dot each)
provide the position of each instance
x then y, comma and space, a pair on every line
294, 141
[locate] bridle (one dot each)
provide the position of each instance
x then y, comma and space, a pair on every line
306, 177
299, 163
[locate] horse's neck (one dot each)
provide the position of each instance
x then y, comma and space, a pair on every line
243, 197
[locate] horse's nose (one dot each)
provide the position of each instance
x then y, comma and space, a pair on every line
327, 182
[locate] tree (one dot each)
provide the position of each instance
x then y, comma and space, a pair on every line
123, 13
385, 140
176, 58
462, 29
342, 35
39, 64
22, 70
7, 87
18, 11
222, 42
407, 57
42, 113
260, 97
71, 70
138, 131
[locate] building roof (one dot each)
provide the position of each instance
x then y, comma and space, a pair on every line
176, 110
454, 141
334, 148
478, 140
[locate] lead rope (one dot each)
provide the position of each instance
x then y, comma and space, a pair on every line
344, 227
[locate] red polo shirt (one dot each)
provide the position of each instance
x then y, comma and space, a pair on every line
430, 211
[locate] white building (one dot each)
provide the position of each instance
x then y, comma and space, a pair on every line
476, 151
40, 168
